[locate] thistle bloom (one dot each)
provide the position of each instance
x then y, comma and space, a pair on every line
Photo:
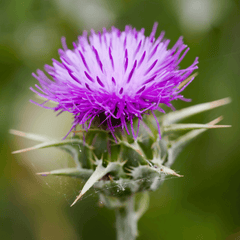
115, 76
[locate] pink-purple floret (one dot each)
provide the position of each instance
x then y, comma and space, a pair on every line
122, 75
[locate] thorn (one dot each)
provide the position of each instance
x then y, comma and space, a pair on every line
119, 140
220, 102
122, 163
128, 169
92, 161
150, 164
43, 173
23, 150
110, 178
96, 159
131, 167
217, 120
129, 174
16, 132
178, 175
138, 151
78, 197
219, 126
169, 171
113, 141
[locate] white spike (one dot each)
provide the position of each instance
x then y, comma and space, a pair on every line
169, 171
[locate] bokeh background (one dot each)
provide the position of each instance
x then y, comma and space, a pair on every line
204, 205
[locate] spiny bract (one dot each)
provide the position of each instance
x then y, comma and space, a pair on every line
119, 170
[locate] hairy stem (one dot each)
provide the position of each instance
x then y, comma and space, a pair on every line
126, 221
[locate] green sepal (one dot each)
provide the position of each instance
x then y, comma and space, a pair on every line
115, 152
146, 177
100, 143
142, 172
132, 153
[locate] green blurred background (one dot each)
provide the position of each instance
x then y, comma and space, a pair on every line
204, 205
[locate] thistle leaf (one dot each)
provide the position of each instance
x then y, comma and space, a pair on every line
190, 111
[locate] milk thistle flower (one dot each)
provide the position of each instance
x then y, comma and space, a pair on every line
115, 77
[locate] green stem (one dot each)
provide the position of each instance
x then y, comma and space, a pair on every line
126, 221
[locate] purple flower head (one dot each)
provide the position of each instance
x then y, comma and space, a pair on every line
115, 76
